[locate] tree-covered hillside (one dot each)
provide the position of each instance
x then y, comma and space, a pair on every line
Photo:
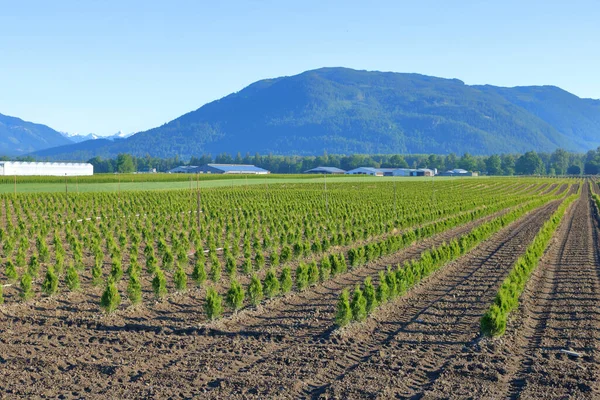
345, 111
20, 137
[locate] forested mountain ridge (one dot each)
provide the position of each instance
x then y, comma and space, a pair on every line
19, 137
344, 111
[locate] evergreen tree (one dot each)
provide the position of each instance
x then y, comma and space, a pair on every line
159, 284
358, 305
255, 290
110, 298
134, 289
271, 284
383, 291
50, 284
11, 271
180, 279
235, 295
302, 276
343, 313
285, 280
370, 295
212, 305
199, 273
26, 290
72, 278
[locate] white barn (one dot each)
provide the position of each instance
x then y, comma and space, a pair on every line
22, 168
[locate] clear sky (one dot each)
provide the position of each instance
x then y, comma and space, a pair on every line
104, 65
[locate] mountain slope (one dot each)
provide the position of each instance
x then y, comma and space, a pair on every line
340, 110
19, 137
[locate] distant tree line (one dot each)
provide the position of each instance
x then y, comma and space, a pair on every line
560, 162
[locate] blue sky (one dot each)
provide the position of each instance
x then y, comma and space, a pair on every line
103, 66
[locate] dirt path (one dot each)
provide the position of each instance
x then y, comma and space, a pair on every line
564, 315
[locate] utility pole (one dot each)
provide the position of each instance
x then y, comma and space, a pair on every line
395, 214
326, 198
198, 200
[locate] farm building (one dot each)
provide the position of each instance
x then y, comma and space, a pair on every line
365, 171
22, 168
325, 170
220, 169
184, 169
459, 172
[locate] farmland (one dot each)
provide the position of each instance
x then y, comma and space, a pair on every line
359, 287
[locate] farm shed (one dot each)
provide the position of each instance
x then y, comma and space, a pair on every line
404, 172
365, 171
424, 172
325, 170
184, 169
458, 172
231, 169
22, 168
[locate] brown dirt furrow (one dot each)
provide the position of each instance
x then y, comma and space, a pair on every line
313, 362
420, 336
559, 310
564, 315
549, 189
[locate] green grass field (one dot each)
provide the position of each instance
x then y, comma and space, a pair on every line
162, 185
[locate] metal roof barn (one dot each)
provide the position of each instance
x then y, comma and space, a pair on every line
22, 168
325, 170
220, 169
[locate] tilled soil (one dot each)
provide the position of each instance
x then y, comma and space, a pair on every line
419, 337
559, 311
278, 350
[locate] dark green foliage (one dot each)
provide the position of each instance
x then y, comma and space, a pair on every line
212, 304
235, 295
11, 271
343, 314
313, 273
302, 276
325, 269
26, 289
111, 298
358, 305
50, 284
285, 280
271, 285
199, 273
159, 284
134, 289
34, 266
72, 278
180, 279
97, 274
383, 291
370, 295
255, 290
116, 271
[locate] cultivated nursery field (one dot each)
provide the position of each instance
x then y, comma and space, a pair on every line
348, 288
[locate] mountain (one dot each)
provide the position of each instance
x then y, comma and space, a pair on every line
78, 138
19, 137
345, 111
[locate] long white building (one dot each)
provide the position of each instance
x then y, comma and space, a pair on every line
21, 168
